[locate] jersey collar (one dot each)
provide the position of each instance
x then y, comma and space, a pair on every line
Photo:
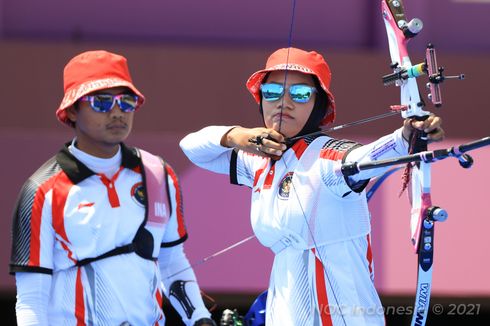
77, 171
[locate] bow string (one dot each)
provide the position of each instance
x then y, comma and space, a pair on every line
316, 252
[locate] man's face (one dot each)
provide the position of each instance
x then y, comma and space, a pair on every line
101, 131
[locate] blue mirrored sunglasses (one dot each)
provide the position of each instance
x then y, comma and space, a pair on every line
106, 102
299, 93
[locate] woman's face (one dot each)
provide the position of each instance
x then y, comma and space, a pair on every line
285, 115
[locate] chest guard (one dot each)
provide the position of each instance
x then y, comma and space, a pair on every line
331, 217
146, 242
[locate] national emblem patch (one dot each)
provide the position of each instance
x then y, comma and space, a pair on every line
138, 194
285, 185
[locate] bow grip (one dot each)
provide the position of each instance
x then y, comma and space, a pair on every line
420, 135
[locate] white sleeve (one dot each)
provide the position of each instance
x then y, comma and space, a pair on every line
33, 291
182, 289
204, 149
386, 147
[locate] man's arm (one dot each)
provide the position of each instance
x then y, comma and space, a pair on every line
182, 289
33, 291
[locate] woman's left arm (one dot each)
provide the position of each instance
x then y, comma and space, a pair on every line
393, 145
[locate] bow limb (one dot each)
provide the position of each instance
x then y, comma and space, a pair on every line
399, 33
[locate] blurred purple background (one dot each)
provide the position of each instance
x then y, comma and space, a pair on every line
456, 25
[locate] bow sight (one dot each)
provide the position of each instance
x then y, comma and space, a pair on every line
428, 67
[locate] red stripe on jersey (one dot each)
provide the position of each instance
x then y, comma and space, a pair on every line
60, 193
178, 199
159, 298
61, 189
110, 184
321, 292
369, 255
79, 303
299, 147
269, 178
82, 205
331, 154
36, 215
70, 254
259, 172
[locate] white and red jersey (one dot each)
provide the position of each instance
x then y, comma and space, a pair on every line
314, 219
67, 213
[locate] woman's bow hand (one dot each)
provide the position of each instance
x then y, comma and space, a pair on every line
431, 126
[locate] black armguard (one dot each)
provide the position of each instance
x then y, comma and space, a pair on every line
361, 184
177, 290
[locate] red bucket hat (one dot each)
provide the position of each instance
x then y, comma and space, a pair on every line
297, 60
92, 71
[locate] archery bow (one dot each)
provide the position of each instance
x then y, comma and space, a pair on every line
423, 214
399, 32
